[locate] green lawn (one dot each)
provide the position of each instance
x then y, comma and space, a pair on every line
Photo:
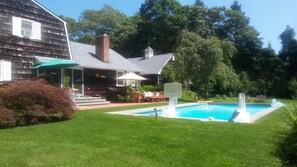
93, 138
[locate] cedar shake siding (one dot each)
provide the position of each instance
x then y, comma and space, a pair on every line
26, 30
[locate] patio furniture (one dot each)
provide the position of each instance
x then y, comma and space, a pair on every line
155, 97
162, 97
148, 96
261, 98
138, 97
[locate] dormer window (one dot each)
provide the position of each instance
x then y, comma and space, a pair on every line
26, 28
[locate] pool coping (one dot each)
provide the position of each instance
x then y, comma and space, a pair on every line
253, 117
258, 115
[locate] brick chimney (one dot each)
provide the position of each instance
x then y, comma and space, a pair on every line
102, 48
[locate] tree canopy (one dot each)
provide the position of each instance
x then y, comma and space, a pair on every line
201, 59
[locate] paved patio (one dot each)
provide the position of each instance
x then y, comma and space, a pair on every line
110, 105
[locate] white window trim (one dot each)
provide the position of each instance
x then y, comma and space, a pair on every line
5, 70
117, 81
17, 28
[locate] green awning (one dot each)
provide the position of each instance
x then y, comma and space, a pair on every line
56, 63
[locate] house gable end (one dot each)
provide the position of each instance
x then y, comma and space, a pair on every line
45, 35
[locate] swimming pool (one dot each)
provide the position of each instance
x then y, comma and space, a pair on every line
221, 112
215, 111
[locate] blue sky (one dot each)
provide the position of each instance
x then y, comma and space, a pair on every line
269, 17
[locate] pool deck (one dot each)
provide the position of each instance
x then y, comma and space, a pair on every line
134, 112
110, 105
258, 115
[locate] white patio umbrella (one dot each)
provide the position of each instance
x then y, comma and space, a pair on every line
131, 76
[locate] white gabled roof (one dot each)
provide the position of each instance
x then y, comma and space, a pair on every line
152, 65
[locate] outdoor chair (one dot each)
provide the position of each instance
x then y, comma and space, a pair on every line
261, 98
148, 96
138, 97
162, 96
155, 97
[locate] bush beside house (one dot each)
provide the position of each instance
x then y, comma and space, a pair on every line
32, 102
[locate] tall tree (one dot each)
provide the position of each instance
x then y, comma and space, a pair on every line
237, 29
199, 3
160, 23
72, 27
198, 59
217, 19
198, 20
288, 52
124, 39
267, 70
96, 22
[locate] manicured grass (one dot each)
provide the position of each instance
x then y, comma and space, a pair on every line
93, 138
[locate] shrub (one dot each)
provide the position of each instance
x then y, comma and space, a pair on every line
120, 98
224, 97
288, 144
36, 101
151, 88
7, 118
188, 95
217, 96
127, 98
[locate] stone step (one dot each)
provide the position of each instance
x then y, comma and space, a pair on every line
90, 101
87, 98
93, 103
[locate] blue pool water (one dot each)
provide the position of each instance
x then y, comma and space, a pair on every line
217, 111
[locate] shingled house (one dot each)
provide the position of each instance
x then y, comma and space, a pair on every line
100, 66
152, 66
30, 35
28, 29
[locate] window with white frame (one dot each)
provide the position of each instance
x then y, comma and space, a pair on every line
5, 71
26, 28
120, 82
130, 82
